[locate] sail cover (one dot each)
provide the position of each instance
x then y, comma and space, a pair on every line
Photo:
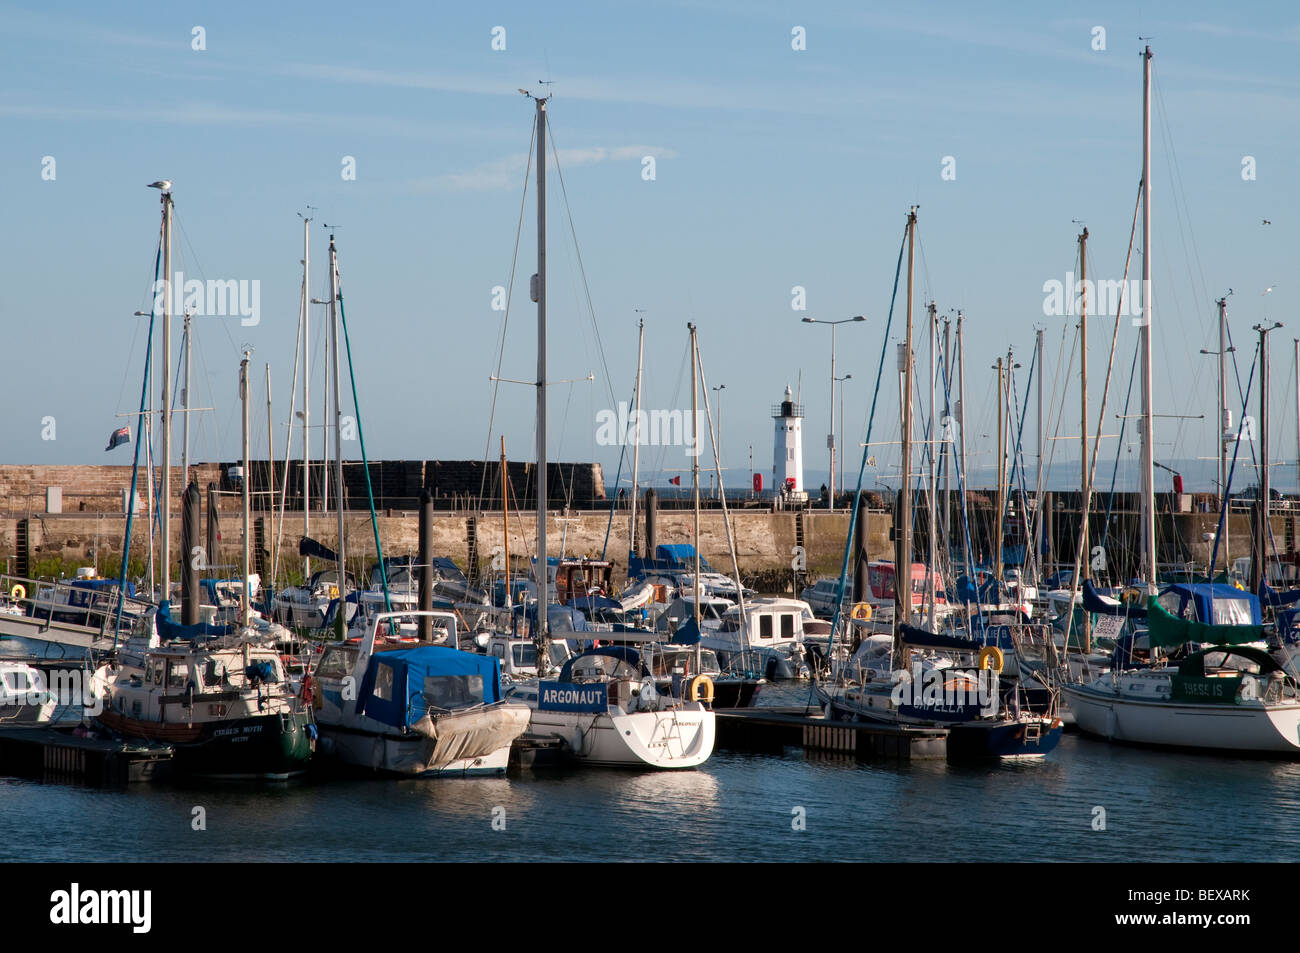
1166, 630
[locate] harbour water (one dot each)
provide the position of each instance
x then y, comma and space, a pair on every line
1158, 806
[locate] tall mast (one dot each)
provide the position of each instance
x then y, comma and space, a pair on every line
1225, 423
341, 619
947, 447
903, 569
695, 473
932, 562
185, 424
541, 573
1042, 437
243, 400
306, 390
1002, 462
1297, 399
1148, 507
1259, 565
636, 440
961, 425
166, 489
505, 519
1083, 426
270, 480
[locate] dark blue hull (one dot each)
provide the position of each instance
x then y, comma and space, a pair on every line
1003, 739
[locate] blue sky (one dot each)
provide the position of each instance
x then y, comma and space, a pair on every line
775, 168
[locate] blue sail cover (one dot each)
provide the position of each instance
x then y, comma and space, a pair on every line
411, 681
169, 630
923, 638
1271, 597
670, 558
1093, 602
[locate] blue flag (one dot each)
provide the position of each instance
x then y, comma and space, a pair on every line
118, 437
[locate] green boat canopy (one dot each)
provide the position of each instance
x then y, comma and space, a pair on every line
1167, 631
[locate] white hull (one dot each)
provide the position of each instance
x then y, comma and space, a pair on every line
675, 738
1247, 726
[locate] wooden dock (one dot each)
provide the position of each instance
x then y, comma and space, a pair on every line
58, 756
775, 729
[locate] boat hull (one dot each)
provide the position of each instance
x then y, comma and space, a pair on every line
1019, 740
673, 738
1242, 727
263, 747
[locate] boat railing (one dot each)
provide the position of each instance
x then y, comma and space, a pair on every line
43, 598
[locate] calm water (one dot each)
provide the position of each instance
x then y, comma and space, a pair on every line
1159, 806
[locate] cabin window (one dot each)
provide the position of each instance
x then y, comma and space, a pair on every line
335, 664
156, 672
765, 627
384, 682
177, 674
524, 655
1231, 612
453, 691
787, 625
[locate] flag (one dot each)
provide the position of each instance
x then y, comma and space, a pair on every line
118, 437
676, 481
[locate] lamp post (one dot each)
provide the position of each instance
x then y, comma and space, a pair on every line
830, 439
840, 381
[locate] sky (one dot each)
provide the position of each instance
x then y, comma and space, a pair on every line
788, 142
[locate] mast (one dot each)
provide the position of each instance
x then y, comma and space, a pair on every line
505, 518
185, 426
270, 483
636, 441
1042, 437
1002, 462
1148, 505
695, 473
306, 391
1083, 428
1225, 422
961, 426
541, 573
903, 569
166, 489
243, 400
1297, 399
947, 447
341, 619
1259, 565
932, 566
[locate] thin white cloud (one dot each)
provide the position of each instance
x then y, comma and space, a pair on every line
508, 173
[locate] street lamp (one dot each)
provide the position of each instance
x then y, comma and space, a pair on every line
830, 439
840, 381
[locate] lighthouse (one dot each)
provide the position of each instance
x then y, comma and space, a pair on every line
787, 447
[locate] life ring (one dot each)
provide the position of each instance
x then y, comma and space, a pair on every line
18, 593
700, 685
862, 611
990, 657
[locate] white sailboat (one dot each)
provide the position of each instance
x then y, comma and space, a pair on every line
1225, 696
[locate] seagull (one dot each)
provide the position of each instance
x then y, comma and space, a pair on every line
1267, 222
1267, 290
163, 184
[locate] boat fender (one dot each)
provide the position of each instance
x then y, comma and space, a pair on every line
700, 689
990, 657
862, 611
18, 593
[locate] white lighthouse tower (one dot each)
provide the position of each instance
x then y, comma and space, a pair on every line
787, 448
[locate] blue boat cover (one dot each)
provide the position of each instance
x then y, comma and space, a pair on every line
169, 630
926, 639
1093, 603
622, 652
1195, 600
1271, 597
458, 677
688, 633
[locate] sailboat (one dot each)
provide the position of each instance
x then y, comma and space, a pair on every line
605, 708
913, 679
1223, 694
223, 701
